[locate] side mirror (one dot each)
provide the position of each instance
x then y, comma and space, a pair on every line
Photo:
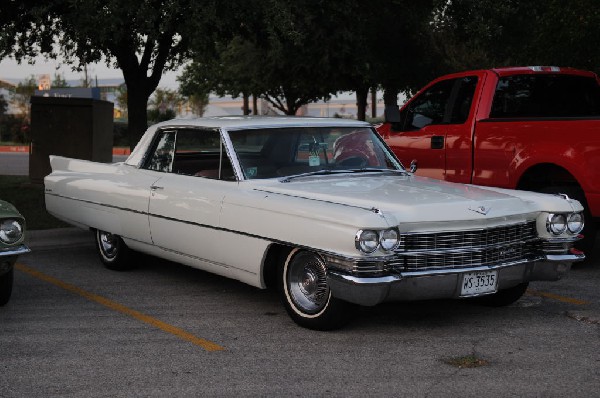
413, 166
392, 114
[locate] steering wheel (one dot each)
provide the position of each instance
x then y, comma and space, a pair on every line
353, 162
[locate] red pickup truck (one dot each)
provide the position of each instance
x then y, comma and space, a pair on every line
530, 128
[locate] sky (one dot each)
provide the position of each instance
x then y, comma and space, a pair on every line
10, 69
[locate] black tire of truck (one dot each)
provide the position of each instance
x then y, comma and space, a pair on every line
590, 228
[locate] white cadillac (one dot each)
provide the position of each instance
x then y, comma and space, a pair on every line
318, 207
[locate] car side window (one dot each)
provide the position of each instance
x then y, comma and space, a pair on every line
161, 158
200, 153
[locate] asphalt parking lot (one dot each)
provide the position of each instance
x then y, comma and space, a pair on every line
73, 328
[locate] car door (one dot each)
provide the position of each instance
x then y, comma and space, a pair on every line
436, 129
185, 202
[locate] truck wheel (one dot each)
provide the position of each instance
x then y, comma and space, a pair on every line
504, 297
113, 252
304, 291
6, 286
590, 228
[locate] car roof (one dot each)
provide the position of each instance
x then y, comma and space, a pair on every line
236, 123
251, 122
520, 70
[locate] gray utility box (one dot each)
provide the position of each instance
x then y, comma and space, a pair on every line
79, 128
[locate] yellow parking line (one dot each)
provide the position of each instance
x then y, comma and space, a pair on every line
207, 345
553, 296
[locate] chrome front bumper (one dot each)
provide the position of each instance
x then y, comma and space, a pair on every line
407, 286
9, 256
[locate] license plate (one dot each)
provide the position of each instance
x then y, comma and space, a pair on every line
477, 283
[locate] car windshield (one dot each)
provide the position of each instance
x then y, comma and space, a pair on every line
285, 152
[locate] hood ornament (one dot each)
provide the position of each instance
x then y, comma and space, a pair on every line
481, 209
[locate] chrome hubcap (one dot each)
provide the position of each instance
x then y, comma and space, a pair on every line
307, 283
108, 244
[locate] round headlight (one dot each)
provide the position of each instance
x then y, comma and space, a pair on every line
557, 223
10, 231
367, 241
389, 239
575, 223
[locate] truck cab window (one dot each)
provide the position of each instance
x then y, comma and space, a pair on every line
547, 95
464, 97
429, 107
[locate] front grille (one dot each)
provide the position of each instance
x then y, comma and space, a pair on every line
464, 249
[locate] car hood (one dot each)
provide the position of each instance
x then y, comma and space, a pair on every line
406, 197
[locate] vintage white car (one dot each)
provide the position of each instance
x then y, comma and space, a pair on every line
318, 207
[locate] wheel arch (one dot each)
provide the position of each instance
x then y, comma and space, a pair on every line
546, 174
274, 258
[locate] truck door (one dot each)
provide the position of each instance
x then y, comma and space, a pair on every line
435, 130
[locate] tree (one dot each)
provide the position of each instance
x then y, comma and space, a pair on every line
198, 103
164, 104
284, 54
143, 39
472, 34
122, 99
21, 98
59, 81
475, 34
21, 35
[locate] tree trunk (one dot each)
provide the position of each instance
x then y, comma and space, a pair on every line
390, 100
361, 103
137, 104
373, 102
246, 102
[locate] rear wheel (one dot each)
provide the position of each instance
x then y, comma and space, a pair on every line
6, 286
305, 293
113, 252
504, 297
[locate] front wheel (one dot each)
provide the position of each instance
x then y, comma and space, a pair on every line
305, 293
504, 297
6, 286
113, 252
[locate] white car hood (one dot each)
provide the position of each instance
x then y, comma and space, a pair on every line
406, 197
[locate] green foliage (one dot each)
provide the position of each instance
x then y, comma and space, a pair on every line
293, 53
156, 116
484, 33
59, 81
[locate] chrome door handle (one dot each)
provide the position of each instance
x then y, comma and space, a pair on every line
156, 187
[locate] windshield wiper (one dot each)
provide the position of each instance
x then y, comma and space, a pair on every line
312, 173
